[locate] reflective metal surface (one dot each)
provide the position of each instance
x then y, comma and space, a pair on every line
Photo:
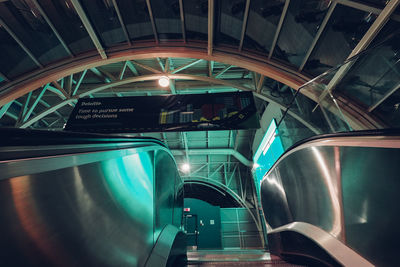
346, 187
87, 209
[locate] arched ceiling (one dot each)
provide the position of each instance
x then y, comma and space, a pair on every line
53, 52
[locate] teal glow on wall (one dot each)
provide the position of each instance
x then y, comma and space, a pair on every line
268, 152
1, 79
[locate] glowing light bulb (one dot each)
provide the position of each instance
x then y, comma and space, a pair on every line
163, 81
185, 167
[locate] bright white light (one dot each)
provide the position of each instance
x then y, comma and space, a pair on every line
255, 166
163, 81
185, 167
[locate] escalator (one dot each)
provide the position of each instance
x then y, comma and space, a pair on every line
332, 200
71, 199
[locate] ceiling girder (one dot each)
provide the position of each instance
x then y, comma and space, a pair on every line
89, 28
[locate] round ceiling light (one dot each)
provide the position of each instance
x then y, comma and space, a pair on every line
163, 81
185, 167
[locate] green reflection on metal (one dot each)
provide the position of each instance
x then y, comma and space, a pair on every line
130, 181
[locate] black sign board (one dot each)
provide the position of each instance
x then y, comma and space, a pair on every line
194, 112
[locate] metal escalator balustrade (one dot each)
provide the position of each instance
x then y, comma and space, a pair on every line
88, 200
331, 198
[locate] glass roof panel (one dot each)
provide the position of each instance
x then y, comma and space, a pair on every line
230, 20
262, 23
68, 24
301, 24
136, 18
344, 30
13, 60
374, 74
389, 110
391, 27
167, 18
373, 3
104, 19
196, 19
28, 25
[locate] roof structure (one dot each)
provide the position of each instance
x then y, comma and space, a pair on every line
53, 52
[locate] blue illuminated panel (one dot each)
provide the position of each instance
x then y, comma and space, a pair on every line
268, 152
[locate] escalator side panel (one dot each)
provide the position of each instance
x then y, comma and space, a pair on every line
95, 212
370, 185
349, 192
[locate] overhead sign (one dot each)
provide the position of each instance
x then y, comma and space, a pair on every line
193, 112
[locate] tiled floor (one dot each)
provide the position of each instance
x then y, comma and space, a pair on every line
234, 258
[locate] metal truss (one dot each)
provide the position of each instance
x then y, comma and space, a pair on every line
78, 85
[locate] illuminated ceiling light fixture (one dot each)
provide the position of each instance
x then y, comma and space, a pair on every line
185, 167
163, 81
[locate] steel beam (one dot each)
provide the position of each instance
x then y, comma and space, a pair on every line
38, 98
167, 64
210, 68
161, 64
172, 87
121, 21
20, 43
278, 28
144, 66
153, 23
78, 84
46, 112
132, 68
244, 24
223, 71
260, 83
318, 35
380, 101
5, 108
210, 27
186, 66
364, 7
215, 151
51, 25
58, 91
99, 74
89, 28
182, 14
363, 44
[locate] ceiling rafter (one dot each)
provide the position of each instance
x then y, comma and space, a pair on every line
51, 25
20, 43
318, 34
385, 96
181, 68
182, 15
244, 24
121, 21
153, 23
210, 27
89, 28
145, 66
278, 28
364, 7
